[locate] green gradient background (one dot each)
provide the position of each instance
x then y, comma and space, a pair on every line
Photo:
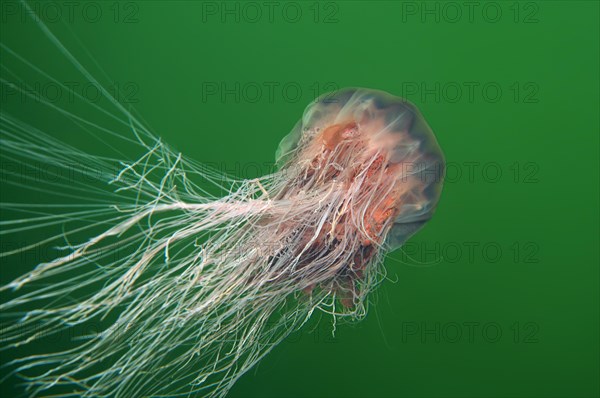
548, 291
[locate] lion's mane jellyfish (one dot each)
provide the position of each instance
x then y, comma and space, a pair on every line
370, 169
205, 286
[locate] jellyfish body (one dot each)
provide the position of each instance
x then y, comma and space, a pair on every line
389, 134
220, 281
380, 164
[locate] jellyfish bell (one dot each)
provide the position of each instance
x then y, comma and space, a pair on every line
375, 170
377, 143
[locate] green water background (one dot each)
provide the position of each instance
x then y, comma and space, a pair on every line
498, 295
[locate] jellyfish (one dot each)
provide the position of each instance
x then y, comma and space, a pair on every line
181, 278
209, 285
